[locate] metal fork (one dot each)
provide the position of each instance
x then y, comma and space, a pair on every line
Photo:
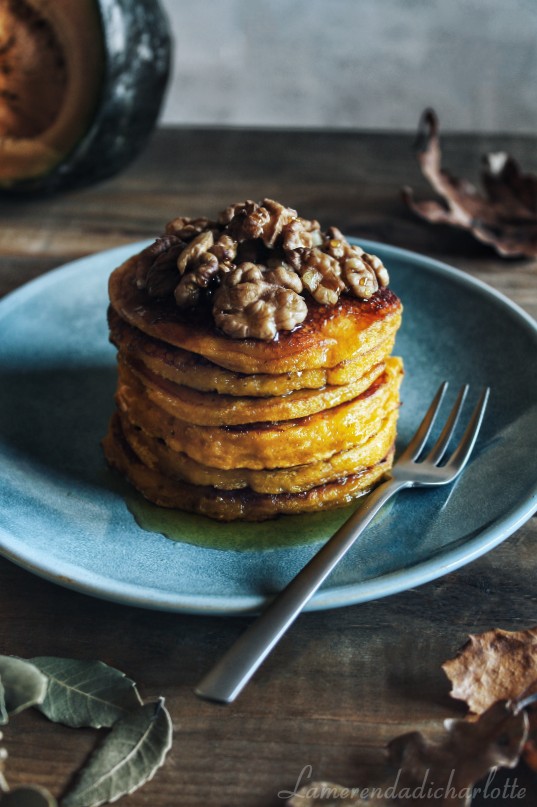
227, 679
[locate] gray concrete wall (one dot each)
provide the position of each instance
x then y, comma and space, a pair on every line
355, 63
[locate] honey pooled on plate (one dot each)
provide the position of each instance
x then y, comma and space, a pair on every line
255, 375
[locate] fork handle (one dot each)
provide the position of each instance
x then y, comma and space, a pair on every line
228, 677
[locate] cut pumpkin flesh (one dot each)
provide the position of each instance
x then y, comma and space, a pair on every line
51, 71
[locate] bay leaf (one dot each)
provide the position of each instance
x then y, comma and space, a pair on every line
23, 685
28, 796
128, 758
3, 710
85, 693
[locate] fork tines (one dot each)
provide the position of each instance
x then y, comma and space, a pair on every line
463, 450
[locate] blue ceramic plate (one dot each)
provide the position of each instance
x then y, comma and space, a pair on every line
63, 516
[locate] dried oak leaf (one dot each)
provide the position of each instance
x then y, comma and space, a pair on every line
491, 666
530, 749
468, 752
495, 665
503, 216
426, 772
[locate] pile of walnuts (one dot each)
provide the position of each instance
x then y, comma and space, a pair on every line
258, 263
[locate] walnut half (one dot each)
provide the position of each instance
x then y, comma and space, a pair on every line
364, 273
246, 305
321, 275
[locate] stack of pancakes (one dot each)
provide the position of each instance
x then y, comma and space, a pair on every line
245, 428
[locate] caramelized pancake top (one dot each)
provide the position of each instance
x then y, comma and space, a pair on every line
328, 335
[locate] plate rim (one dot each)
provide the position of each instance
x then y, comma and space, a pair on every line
330, 597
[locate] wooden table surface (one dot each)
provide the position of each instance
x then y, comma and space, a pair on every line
341, 683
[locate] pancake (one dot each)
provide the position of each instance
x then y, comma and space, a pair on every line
328, 335
192, 370
214, 409
277, 444
245, 504
156, 455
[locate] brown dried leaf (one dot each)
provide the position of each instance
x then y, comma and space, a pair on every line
498, 665
469, 751
492, 666
530, 754
504, 216
530, 749
442, 773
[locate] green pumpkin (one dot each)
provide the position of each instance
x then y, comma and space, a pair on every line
81, 86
